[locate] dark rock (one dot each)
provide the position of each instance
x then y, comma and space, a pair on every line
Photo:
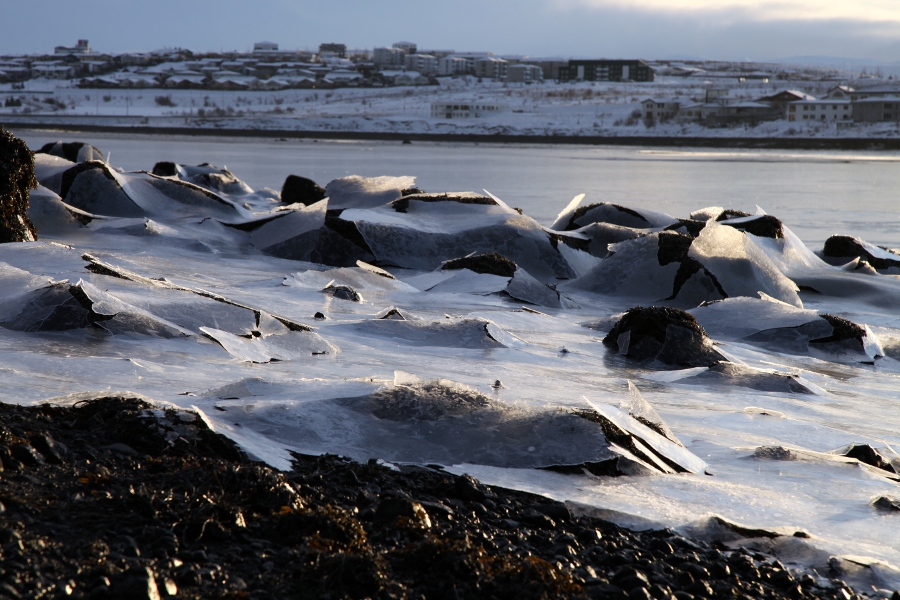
73, 151
16, 179
701, 588
26, 454
391, 509
52, 451
8, 461
557, 512
605, 212
689, 227
865, 453
165, 169
886, 503
844, 330
319, 316
402, 204
121, 448
762, 226
536, 519
339, 243
301, 190
493, 264
343, 292
669, 335
846, 247
136, 584
466, 488
639, 593
673, 248
729, 213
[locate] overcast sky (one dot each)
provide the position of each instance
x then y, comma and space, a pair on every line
650, 29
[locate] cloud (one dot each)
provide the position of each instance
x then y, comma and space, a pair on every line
866, 10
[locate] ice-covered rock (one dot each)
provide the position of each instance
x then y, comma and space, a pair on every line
365, 192
575, 216
207, 176
840, 249
422, 231
71, 151
663, 335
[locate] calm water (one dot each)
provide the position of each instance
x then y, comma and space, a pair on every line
815, 193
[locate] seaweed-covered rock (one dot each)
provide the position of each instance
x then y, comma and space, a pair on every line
16, 179
492, 263
845, 247
668, 335
300, 189
74, 151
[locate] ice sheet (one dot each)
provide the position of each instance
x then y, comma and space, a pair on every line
235, 309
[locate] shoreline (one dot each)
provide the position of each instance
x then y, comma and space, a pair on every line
808, 143
113, 496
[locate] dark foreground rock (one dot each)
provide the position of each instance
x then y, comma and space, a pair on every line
16, 181
113, 499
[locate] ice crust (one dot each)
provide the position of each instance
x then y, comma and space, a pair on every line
189, 299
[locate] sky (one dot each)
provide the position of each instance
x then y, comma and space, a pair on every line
649, 29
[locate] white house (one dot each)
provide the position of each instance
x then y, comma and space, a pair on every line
656, 109
820, 110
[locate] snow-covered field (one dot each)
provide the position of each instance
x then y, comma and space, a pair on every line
206, 299
541, 109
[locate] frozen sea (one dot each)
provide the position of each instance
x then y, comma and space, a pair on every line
547, 360
818, 193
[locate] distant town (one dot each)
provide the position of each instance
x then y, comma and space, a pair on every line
713, 94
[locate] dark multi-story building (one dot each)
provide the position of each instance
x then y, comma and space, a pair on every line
339, 50
606, 70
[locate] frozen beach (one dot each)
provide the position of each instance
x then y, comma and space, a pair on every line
203, 288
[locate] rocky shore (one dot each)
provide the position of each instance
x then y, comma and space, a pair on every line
116, 498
